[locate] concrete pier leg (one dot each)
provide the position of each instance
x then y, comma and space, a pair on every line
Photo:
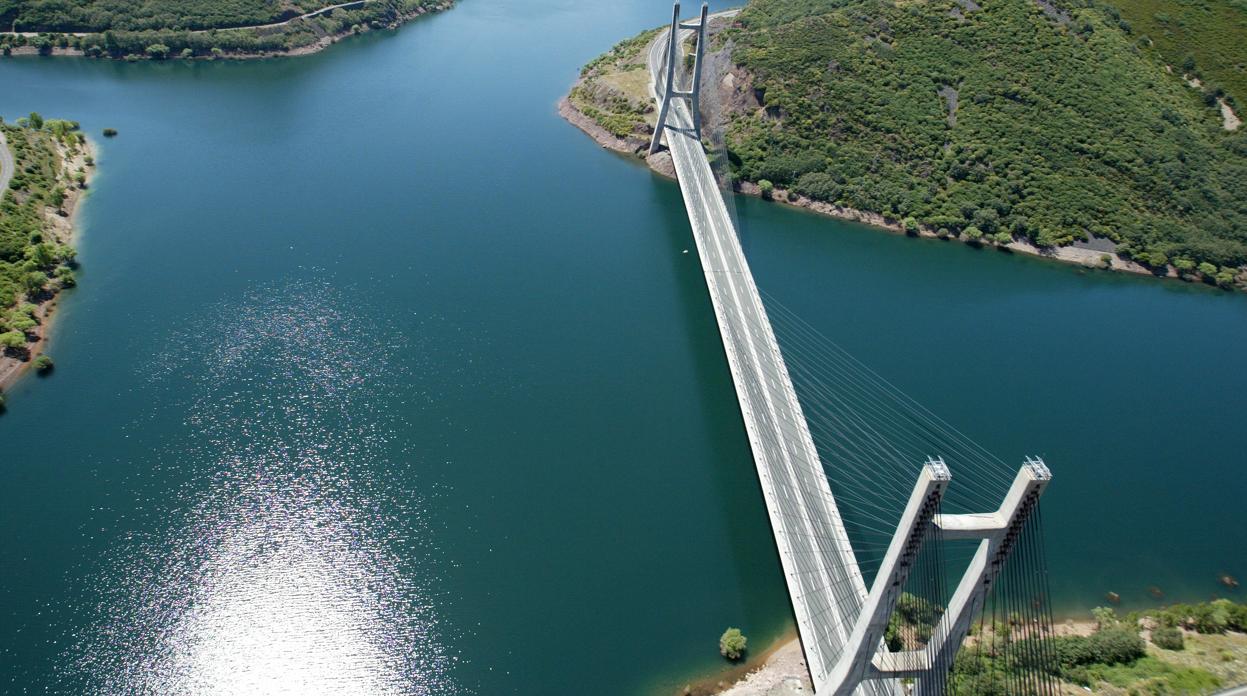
695, 105
672, 45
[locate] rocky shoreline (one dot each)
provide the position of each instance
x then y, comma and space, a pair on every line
660, 163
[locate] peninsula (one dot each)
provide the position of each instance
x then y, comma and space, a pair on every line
188, 30
45, 166
1024, 126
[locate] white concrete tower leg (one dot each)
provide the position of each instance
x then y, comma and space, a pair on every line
871, 625
673, 42
695, 106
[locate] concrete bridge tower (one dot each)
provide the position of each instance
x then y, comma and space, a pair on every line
669, 88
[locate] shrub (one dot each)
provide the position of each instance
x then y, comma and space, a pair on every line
1105, 617
766, 187
1112, 646
13, 340
732, 644
42, 364
1168, 637
820, 186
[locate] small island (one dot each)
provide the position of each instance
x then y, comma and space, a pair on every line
203, 30
45, 167
1023, 127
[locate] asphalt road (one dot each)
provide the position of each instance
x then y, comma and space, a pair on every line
820, 569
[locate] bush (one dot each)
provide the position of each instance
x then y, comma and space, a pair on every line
1168, 637
13, 340
818, 185
1112, 646
42, 364
732, 644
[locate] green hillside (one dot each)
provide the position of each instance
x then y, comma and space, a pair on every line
1061, 126
1206, 38
137, 15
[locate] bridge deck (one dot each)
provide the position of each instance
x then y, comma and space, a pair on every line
823, 579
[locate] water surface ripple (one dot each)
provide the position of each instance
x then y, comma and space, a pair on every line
277, 572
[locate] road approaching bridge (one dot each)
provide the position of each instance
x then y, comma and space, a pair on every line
824, 582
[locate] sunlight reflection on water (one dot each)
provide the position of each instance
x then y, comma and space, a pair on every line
280, 555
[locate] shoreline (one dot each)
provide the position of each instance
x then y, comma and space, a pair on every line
63, 229
782, 671
319, 45
660, 163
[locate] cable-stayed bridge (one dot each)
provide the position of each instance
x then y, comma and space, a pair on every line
842, 622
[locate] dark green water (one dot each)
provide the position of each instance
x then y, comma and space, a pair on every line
374, 384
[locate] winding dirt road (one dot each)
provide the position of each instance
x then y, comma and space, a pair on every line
6, 165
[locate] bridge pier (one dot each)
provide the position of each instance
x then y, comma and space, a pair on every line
669, 90
864, 656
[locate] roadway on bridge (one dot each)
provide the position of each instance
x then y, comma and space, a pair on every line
821, 571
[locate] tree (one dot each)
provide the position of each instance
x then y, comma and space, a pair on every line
732, 644
65, 275
42, 255
188, 53
972, 234
1225, 278
157, 51
42, 364
34, 281
766, 188
35, 120
1207, 270
910, 225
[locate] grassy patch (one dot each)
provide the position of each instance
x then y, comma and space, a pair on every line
614, 87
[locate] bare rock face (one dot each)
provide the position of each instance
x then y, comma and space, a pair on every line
660, 162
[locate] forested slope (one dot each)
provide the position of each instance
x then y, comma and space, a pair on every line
1006, 118
159, 29
138, 15
1207, 39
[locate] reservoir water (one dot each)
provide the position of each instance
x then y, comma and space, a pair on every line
381, 378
